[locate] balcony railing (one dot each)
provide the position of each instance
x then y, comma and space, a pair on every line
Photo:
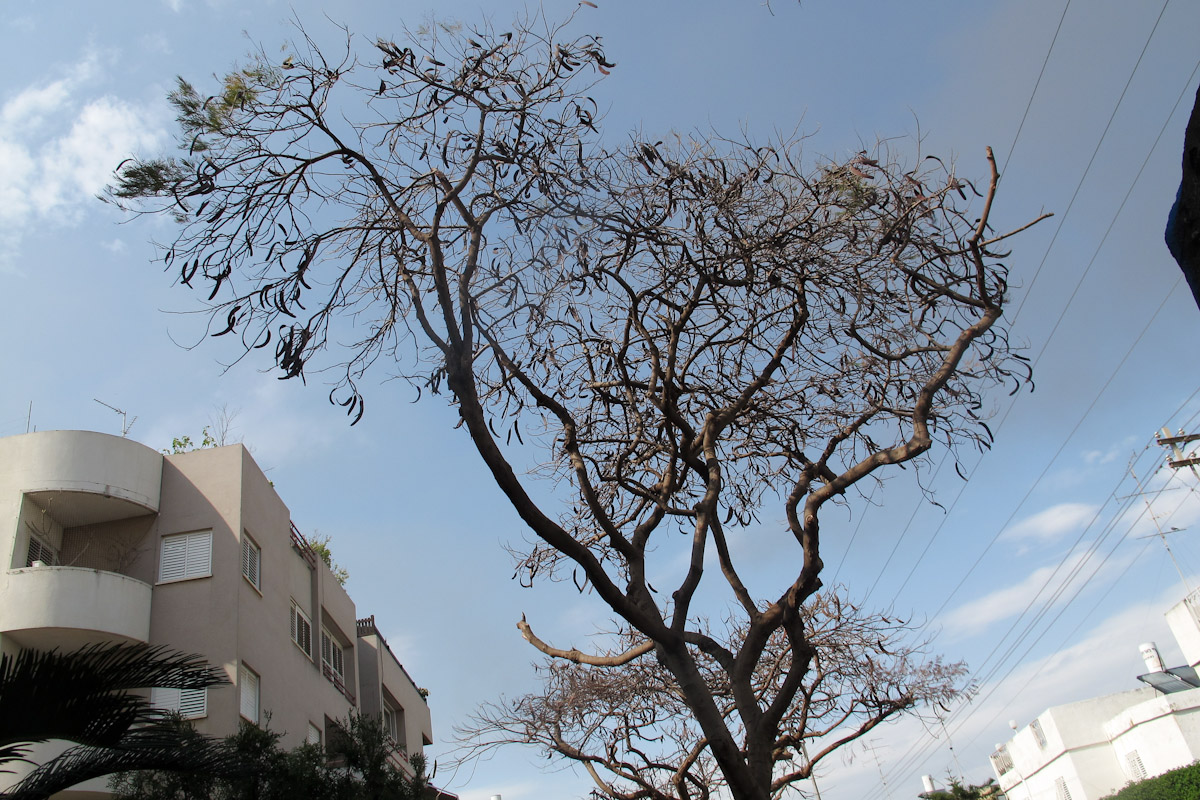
1002, 761
338, 682
302, 546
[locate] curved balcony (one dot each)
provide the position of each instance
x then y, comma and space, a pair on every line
66, 607
81, 477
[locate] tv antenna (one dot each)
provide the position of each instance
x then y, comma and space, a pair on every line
126, 423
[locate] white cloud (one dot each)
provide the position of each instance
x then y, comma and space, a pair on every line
29, 108
57, 150
1097, 457
975, 616
1050, 524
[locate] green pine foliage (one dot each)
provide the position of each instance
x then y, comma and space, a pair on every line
1178, 784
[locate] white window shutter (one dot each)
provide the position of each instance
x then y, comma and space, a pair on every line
40, 551
188, 703
300, 628
193, 703
164, 699
173, 564
248, 693
199, 554
314, 734
251, 560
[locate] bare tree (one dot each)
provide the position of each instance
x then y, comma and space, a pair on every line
689, 331
632, 730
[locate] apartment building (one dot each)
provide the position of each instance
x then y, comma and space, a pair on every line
104, 539
1089, 749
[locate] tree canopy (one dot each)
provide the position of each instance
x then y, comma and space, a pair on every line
697, 335
354, 765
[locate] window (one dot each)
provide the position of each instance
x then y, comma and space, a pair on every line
189, 703
1038, 733
333, 660
1002, 760
1061, 792
1137, 770
40, 551
248, 693
314, 734
186, 556
393, 724
301, 629
251, 560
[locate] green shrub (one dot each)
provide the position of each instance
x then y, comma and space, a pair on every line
1178, 784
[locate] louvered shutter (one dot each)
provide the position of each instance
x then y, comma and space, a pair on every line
300, 629
164, 699
173, 564
248, 693
40, 551
189, 703
199, 554
193, 703
251, 560
314, 734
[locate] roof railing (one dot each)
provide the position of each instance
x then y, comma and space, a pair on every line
302, 546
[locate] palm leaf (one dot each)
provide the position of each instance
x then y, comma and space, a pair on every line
158, 747
84, 696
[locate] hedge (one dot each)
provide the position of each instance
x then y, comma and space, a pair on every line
1178, 784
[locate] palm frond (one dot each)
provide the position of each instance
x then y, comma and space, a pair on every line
156, 747
13, 752
84, 696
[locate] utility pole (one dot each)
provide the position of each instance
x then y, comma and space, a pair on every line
1177, 460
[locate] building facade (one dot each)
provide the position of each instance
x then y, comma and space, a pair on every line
1090, 749
105, 540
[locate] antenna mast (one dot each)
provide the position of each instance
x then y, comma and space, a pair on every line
126, 423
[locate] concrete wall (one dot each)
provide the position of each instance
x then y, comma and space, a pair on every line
1164, 731
230, 620
107, 503
384, 679
48, 607
1077, 749
1184, 620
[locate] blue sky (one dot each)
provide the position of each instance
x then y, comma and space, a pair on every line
412, 514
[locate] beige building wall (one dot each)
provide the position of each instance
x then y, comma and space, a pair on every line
101, 507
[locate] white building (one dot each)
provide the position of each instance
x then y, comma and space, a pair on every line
1090, 749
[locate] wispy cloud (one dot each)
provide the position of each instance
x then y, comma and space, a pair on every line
1052, 523
59, 147
1050, 584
